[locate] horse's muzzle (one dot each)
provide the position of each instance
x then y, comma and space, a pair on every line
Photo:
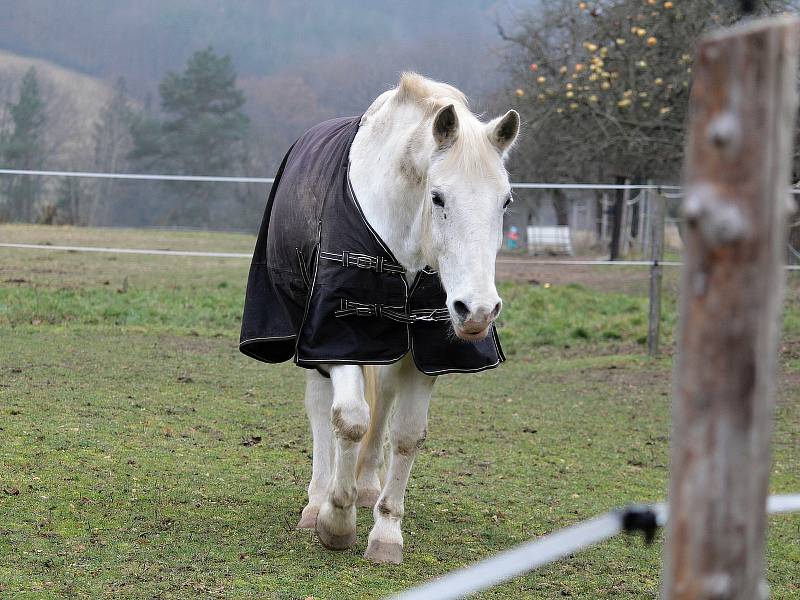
472, 321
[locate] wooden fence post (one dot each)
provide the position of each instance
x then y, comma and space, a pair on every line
741, 127
656, 221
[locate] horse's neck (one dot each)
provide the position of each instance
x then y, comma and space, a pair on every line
390, 199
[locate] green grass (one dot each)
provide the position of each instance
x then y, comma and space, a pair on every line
125, 408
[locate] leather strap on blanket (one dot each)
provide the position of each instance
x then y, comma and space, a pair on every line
363, 261
396, 313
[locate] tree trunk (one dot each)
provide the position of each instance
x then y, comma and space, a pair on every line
561, 207
616, 220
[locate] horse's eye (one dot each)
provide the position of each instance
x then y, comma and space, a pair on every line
508, 202
437, 199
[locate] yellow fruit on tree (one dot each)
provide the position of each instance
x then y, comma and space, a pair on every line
652, 41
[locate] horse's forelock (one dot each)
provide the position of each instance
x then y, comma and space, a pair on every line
471, 150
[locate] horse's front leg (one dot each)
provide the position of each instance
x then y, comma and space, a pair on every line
319, 396
336, 522
407, 431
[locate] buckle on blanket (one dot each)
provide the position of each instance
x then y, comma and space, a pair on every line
366, 311
351, 308
363, 261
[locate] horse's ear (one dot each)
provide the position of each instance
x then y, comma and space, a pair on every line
445, 126
503, 130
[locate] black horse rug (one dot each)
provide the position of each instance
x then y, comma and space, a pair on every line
324, 288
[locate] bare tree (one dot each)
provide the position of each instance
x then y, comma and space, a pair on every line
112, 144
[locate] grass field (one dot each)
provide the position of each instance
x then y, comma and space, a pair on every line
142, 456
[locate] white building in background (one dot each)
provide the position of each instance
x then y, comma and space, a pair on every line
535, 216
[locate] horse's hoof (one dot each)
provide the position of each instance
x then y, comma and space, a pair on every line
336, 542
308, 520
384, 552
336, 527
367, 498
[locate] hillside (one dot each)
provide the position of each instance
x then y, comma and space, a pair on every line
73, 102
335, 48
297, 62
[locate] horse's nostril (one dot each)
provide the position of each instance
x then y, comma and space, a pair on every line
497, 308
461, 309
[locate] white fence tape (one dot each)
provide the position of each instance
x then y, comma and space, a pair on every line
211, 178
501, 261
139, 176
522, 559
126, 250
549, 548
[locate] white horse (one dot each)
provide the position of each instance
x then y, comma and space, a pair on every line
430, 179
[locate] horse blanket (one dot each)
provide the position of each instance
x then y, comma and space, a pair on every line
324, 288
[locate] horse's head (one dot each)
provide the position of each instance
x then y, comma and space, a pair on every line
467, 194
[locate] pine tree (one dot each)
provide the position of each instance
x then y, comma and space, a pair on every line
23, 148
202, 131
205, 124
